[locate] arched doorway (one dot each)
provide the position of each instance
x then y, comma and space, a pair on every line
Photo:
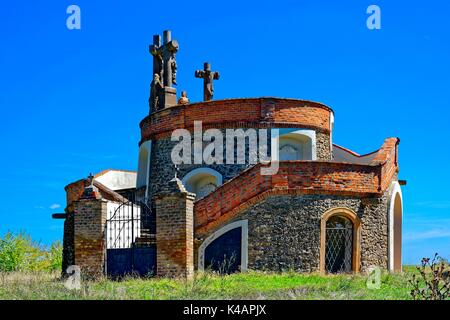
395, 228
398, 233
225, 251
223, 255
340, 241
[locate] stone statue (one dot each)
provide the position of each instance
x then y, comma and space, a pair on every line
168, 51
155, 51
164, 63
208, 76
156, 89
165, 67
173, 66
183, 99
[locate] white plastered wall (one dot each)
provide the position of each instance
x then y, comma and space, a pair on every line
331, 131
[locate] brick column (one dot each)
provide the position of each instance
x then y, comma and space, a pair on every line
89, 226
175, 231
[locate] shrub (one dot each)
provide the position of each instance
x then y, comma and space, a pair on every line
433, 280
18, 252
54, 256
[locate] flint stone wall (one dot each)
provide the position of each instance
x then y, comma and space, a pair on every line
162, 169
284, 231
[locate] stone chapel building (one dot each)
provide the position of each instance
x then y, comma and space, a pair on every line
327, 209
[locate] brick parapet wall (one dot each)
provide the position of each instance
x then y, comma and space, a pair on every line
387, 159
238, 113
89, 225
175, 235
74, 191
297, 177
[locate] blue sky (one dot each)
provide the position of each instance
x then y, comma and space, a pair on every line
71, 100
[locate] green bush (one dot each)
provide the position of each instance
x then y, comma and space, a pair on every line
18, 252
54, 256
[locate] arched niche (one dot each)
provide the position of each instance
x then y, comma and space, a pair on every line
202, 181
143, 174
293, 144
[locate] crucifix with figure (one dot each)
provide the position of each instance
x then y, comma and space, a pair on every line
164, 71
208, 76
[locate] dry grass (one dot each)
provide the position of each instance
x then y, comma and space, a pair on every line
250, 285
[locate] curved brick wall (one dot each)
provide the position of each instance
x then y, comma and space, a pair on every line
231, 113
238, 113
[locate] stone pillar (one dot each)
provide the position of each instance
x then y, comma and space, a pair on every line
175, 231
169, 98
89, 226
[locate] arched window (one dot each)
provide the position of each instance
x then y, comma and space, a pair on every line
202, 181
340, 241
338, 245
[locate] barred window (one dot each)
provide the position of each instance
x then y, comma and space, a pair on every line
339, 245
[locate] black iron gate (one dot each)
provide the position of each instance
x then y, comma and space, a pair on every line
130, 239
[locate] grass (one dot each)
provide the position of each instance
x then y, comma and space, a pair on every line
249, 285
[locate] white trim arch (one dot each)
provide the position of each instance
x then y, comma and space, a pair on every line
192, 178
144, 165
310, 149
244, 243
331, 132
395, 226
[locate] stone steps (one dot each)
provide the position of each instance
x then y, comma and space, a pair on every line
146, 239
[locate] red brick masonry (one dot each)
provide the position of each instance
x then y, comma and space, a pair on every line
238, 113
297, 177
